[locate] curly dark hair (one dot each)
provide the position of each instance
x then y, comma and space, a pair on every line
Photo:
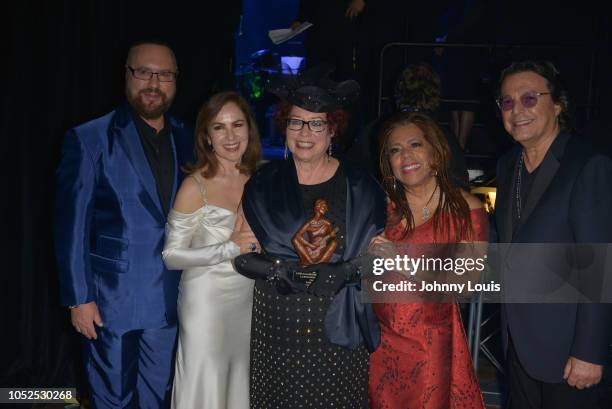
337, 120
418, 88
554, 83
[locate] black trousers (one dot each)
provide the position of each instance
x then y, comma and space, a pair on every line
529, 393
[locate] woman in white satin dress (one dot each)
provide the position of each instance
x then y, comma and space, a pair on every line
203, 235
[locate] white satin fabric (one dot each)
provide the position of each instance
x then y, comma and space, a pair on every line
214, 311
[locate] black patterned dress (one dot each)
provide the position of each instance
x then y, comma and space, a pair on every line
293, 365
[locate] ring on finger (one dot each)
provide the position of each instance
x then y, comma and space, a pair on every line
253, 247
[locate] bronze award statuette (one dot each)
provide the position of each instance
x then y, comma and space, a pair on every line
315, 242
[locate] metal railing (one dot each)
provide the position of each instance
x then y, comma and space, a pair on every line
585, 59
503, 54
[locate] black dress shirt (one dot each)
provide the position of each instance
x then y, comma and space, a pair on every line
527, 179
158, 149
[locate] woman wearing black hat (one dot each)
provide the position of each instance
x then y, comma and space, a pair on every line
310, 341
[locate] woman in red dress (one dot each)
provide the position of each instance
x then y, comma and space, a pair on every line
423, 359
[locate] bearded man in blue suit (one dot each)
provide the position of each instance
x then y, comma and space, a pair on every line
115, 184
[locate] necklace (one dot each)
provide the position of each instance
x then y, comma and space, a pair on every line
519, 171
425, 213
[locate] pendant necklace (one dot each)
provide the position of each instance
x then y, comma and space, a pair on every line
425, 213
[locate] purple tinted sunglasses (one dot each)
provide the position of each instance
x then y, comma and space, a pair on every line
528, 100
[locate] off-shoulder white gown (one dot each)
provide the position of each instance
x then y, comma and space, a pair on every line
214, 310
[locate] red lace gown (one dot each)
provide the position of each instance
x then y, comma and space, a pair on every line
423, 360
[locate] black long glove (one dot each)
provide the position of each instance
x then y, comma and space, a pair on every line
278, 273
332, 277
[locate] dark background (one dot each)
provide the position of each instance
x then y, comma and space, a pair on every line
63, 64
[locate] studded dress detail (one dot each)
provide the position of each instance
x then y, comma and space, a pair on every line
293, 365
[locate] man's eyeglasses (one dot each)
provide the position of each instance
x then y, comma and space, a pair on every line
145, 74
528, 100
316, 125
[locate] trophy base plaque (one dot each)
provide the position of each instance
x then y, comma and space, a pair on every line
306, 277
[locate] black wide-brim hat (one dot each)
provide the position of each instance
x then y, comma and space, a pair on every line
313, 90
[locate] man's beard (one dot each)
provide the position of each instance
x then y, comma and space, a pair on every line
149, 110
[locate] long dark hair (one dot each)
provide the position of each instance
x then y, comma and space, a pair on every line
452, 209
205, 157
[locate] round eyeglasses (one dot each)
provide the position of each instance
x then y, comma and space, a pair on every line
146, 74
528, 100
316, 125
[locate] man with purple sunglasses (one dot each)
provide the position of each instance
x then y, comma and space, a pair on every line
551, 188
